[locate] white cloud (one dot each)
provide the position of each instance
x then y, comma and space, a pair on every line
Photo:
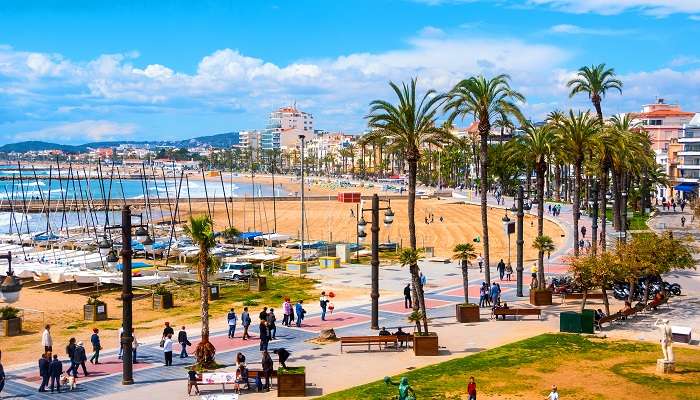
578, 30
611, 7
87, 130
681, 61
431, 32
695, 17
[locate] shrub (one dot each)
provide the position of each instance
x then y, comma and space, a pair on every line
8, 313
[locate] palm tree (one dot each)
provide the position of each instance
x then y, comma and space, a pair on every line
465, 252
484, 100
578, 134
543, 244
201, 230
503, 123
595, 80
409, 125
536, 146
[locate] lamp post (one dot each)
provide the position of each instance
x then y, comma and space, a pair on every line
519, 243
361, 227
302, 137
506, 230
11, 286
127, 296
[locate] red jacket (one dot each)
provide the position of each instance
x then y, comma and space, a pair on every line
471, 388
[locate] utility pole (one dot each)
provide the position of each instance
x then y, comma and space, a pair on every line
519, 243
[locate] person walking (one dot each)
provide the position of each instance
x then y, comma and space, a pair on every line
263, 314
682, 221
583, 231
501, 267
245, 321
299, 309
2, 374
271, 327
407, 301
70, 352
287, 309
79, 358
46, 340
182, 339
554, 394
168, 350
494, 294
471, 388
509, 271
480, 261
264, 335
134, 347
423, 280
323, 302
232, 320
96, 346
55, 372
483, 294
168, 330
119, 337
44, 373
267, 367
283, 356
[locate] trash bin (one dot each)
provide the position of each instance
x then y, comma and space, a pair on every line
570, 321
587, 321
214, 292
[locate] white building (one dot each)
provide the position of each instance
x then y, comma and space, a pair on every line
289, 123
689, 158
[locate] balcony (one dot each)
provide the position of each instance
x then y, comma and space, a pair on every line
689, 140
689, 153
688, 167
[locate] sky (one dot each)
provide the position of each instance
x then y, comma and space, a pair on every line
80, 71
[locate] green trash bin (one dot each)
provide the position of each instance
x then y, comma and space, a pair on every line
587, 321
570, 321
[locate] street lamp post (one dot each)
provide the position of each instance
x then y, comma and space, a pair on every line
302, 137
361, 226
519, 243
506, 229
127, 295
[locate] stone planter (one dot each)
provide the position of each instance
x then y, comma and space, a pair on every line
11, 327
214, 292
257, 284
467, 313
291, 384
541, 297
425, 345
297, 267
162, 301
95, 312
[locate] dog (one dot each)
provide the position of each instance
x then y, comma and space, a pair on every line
69, 381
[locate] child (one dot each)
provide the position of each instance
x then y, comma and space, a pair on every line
192, 382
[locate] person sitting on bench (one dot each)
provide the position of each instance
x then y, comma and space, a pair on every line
504, 306
599, 314
401, 336
283, 355
241, 379
626, 308
384, 332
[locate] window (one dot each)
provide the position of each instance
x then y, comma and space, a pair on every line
654, 122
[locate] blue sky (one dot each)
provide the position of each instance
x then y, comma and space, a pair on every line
97, 70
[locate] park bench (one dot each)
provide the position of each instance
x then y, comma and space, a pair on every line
516, 312
579, 296
370, 340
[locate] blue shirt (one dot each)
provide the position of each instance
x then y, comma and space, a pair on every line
299, 310
95, 340
494, 291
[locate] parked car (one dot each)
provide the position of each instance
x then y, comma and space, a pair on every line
236, 270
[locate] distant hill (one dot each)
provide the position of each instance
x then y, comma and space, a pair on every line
221, 140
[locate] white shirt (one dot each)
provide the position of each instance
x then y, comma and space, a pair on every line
46, 338
480, 259
553, 396
168, 345
135, 343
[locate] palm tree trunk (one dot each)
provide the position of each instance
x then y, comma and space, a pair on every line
617, 200
205, 351
557, 182
576, 202
465, 280
603, 209
540, 224
598, 109
412, 171
484, 129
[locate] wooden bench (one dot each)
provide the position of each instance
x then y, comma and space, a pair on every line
579, 296
516, 312
370, 340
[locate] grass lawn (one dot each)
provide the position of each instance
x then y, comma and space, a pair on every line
638, 222
582, 367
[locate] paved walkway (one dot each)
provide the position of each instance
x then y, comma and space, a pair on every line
444, 290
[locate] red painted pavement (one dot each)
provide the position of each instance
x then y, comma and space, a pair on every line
473, 292
398, 306
339, 319
108, 366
